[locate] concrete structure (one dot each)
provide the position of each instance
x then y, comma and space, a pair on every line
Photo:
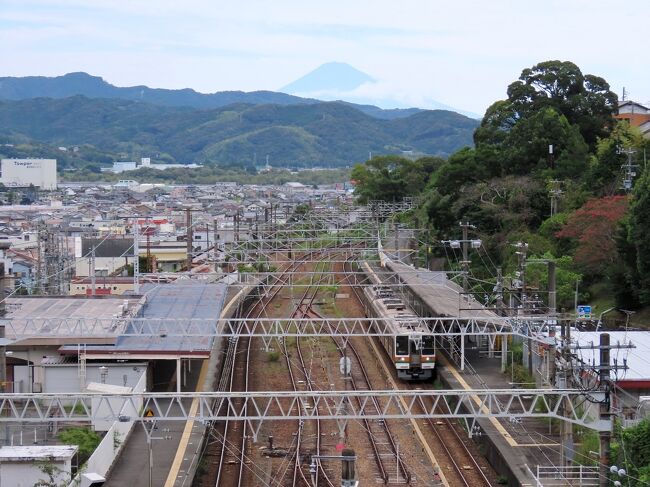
55, 374
20, 173
26, 466
119, 167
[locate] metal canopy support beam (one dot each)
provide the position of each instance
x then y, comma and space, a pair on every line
278, 405
43, 327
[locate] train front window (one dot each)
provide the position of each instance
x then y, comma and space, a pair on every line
428, 347
402, 345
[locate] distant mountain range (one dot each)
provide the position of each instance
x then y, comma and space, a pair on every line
229, 128
72, 84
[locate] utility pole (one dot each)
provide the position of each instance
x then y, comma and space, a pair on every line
465, 262
566, 429
396, 228
522, 250
498, 290
552, 292
605, 410
603, 374
465, 243
92, 270
39, 267
190, 236
4, 246
629, 169
555, 192
136, 257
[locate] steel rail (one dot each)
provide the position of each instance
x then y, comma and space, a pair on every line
303, 307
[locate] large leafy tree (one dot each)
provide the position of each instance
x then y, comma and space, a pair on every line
585, 100
391, 178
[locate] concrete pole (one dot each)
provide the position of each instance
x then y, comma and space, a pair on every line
605, 410
92, 270
136, 257
504, 353
465, 262
3, 311
396, 226
552, 292
190, 236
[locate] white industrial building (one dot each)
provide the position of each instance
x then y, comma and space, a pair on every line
21, 173
22, 466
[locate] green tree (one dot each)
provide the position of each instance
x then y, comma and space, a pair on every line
462, 168
640, 233
565, 275
391, 178
632, 452
604, 175
527, 147
585, 101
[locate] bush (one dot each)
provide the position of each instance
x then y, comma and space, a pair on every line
86, 439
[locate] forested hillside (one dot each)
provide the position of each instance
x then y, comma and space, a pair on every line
599, 232
320, 134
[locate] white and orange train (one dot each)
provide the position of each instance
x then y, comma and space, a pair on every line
411, 350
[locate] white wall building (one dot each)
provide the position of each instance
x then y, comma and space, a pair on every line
22, 466
20, 173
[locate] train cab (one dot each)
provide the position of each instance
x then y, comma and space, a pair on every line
414, 356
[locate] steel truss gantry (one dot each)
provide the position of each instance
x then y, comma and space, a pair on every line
260, 406
442, 327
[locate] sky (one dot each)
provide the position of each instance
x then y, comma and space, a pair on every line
462, 53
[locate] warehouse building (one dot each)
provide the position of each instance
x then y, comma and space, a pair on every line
21, 173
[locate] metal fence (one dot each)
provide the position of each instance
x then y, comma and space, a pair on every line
575, 475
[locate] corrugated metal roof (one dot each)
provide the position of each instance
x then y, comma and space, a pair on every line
180, 299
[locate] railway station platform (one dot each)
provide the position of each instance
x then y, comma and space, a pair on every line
516, 445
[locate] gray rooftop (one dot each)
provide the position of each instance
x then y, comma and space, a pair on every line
177, 300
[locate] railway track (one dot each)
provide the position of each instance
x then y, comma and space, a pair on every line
303, 307
466, 470
384, 447
459, 463
231, 436
234, 468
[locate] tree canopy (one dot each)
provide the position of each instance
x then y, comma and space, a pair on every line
584, 100
391, 178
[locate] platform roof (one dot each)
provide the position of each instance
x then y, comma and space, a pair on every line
38, 314
439, 293
180, 299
